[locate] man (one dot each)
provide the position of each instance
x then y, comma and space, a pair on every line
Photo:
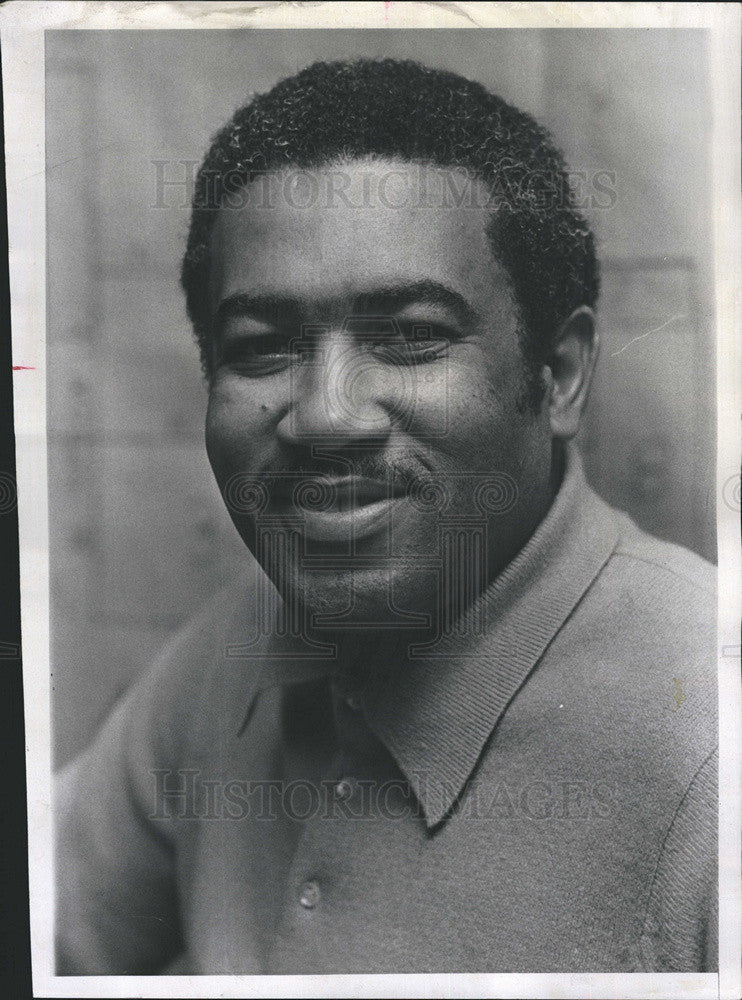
455, 743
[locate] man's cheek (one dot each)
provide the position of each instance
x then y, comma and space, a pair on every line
423, 409
455, 416
217, 437
232, 433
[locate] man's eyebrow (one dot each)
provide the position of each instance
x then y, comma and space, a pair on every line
270, 308
393, 298
382, 301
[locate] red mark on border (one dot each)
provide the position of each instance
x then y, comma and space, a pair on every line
387, 5
23, 368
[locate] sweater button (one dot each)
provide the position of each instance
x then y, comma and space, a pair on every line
343, 789
309, 896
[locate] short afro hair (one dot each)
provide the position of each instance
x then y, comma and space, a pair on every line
340, 111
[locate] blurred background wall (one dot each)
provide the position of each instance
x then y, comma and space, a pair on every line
139, 535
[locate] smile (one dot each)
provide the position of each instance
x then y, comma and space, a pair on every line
337, 510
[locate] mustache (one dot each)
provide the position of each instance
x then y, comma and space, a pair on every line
250, 493
401, 475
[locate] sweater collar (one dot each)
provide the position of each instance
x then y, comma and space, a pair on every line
436, 713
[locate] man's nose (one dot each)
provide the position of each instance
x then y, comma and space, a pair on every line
337, 395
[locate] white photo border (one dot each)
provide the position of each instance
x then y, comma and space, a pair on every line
22, 27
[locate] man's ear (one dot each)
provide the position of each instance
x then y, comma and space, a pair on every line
572, 365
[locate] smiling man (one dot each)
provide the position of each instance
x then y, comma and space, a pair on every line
441, 733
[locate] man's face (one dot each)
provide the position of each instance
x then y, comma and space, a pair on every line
365, 422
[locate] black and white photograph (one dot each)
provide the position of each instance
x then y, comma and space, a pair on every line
377, 398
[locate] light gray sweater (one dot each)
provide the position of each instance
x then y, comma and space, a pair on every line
539, 796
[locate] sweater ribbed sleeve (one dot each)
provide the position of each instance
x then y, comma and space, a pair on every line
681, 926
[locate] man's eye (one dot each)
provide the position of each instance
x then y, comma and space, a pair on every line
413, 345
259, 355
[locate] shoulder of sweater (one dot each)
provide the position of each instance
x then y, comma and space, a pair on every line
663, 558
661, 602
642, 648
193, 688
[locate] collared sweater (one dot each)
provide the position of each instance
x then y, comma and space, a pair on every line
536, 792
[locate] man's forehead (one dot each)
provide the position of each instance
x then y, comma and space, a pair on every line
345, 227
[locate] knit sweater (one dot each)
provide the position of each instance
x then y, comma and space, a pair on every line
536, 795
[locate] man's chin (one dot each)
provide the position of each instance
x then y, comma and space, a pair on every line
376, 602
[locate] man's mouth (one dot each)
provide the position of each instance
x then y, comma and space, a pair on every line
337, 509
